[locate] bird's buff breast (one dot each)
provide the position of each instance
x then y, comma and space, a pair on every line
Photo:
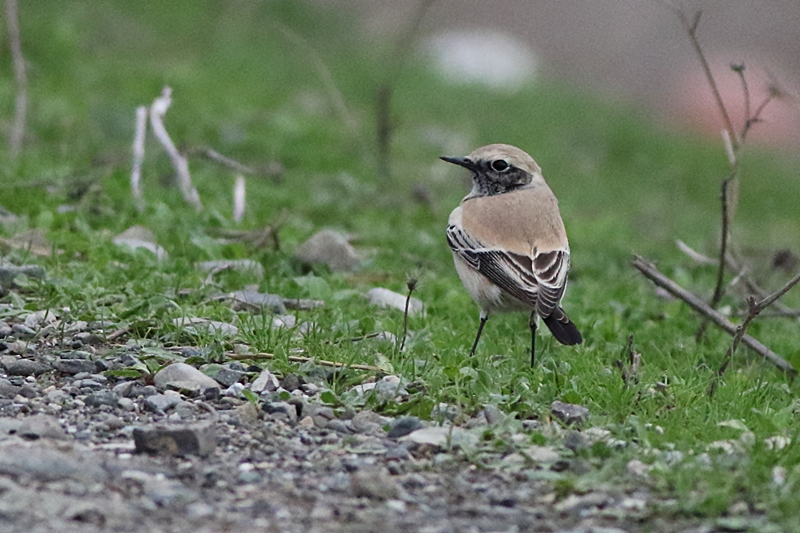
486, 294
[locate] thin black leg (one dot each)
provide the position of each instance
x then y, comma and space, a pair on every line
533, 337
484, 318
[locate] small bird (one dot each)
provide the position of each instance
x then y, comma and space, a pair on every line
509, 243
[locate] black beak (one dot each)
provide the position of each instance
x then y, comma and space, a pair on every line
460, 161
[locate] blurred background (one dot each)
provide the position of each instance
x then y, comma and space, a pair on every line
630, 50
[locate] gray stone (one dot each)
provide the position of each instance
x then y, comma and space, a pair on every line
254, 300
190, 439
403, 426
5, 329
41, 427
123, 389
26, 367
493, 414
331, 248
569, 413
214, 327
103, 397
73, 366
369, 422
162, 402
8, 272
281, 410
265, 382
137, 237
240, 265
183, 376
228, 376
39, 319
386, 298
291, 382
43, 462
375, 484
7, 390
21, 331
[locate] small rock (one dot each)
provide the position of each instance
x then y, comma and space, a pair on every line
374, 484
26, 367
41, 427
281, 410
5, 329
38, 319
575, 503
21, 331
240, 265
182, 376
7, 390
637, 468
159, 403
284, 321
291, 382
386, 298
265, 382
123, 388
228, 376
194, 439
73, 366
569, 413
493, 414
403, 426
331, 248
103, 397
8, 272
575, 441
214, 327
368, 421
442, 437
137, 237
542, 454
254, 300
306, 422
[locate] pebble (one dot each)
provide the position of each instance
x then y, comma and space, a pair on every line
73, 366
265, 382
194, 439
41, 427
291, 382
182, 376
245, 299
100, 398
26, 367
281, 411
160, 403
229, 376
330, 248
375, 484
386, 298
8, 272
403, 426
569, 413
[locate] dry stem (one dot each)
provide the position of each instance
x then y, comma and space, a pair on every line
179, 162
301, 359
138, 156
649, 271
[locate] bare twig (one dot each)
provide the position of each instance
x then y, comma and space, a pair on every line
224, 160
138, 156
649, 271
301, 359
20, 77
630, 372
694, 255
179, 162
238, 199
691, 30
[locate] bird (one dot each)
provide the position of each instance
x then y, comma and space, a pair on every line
509, 243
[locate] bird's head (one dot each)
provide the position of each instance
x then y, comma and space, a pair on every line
499, 168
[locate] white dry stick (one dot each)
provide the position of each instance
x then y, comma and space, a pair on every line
138, 155
157, 112
21, 78
238, 199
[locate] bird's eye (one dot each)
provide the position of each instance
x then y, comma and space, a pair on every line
500, 165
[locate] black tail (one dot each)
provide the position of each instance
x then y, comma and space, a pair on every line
562, 329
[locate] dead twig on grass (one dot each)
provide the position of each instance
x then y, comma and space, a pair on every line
302, 359
138, 156
649, 271
179, 162
20, 78
630, 372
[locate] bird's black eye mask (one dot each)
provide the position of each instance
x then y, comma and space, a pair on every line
498, 176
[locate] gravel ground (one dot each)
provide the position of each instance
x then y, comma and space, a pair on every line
80, 451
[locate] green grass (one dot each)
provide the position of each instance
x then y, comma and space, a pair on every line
243, 87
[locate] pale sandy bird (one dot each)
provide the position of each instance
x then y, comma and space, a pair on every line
509, 243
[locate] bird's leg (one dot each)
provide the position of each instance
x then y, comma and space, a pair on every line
533, 337
484, 318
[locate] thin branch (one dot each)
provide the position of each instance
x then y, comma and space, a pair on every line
301, 359
138, 156
224, 160
649, 271
20, 77
691, 30
179, 162
411, 283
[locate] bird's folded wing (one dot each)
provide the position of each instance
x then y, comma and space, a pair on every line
539, 281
